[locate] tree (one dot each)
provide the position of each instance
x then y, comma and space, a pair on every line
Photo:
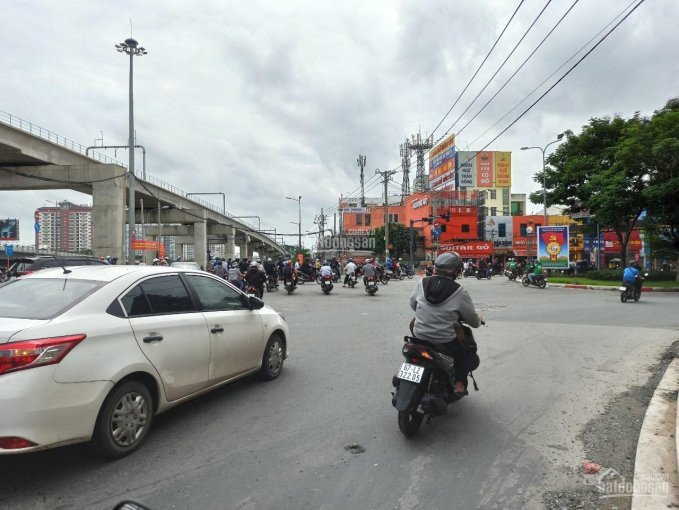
398, 238
586, 173
653, 146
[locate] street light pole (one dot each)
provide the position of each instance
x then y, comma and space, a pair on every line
299, 224
544, 187
130, 46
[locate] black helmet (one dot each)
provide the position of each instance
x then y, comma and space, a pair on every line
448, 263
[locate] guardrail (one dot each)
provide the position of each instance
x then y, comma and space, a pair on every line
46, 134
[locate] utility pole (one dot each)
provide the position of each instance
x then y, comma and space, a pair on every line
405, 165
386, 175
361, 165
419, 145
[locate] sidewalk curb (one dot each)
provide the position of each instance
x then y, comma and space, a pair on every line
609, 288
656, 482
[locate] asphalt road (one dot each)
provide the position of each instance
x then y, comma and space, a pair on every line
324, 434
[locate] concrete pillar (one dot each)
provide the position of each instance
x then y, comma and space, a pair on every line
200, 242
230, 251
108, 218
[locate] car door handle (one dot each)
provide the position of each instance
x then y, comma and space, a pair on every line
217, 329
153, 338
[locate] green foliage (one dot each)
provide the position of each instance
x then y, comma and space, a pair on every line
618, 168
606, 275
398, 238
304, 251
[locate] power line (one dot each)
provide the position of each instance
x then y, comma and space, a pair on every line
519, 68
479, 68
560, 79
553, 73
516, 46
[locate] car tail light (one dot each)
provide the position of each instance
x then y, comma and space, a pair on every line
14, 443
36, 353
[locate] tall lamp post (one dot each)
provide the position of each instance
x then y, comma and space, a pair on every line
544, 188
131, 47
299, 223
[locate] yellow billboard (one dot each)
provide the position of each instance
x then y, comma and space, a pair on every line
503, 169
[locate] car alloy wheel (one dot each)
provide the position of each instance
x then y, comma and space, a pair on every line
124, 419
272, 360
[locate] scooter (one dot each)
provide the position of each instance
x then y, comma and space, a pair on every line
271, 282
470, 271
371, 285
511, 275
289, 286
425, 381
408, 271
629, 291
352, 280
326, 284
484, 273
539, 281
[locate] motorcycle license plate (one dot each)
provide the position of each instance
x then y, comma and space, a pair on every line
622, 289
371, 284
287, 284
411, 373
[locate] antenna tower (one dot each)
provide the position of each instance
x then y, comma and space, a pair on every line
361, 165
405, 165
419, 145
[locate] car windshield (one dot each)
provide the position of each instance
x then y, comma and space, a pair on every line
41, 298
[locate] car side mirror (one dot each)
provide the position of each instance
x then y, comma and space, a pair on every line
255, 303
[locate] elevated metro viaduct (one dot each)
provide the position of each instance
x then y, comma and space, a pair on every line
32, 158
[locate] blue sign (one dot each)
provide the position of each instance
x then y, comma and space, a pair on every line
9, 250
37, 227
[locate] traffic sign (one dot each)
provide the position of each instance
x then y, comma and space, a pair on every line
9, 250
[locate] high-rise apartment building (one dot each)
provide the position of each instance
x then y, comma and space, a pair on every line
67, 227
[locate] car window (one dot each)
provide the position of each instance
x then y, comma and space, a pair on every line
135, 303
42, 298
167, 294
215, 295
42, 264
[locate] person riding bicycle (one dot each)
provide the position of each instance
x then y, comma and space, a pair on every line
440, 303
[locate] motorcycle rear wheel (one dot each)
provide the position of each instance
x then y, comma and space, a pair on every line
637, 296
409, 422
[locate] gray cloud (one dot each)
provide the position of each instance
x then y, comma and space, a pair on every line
265, 99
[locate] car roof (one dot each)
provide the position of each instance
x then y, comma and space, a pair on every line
106, 272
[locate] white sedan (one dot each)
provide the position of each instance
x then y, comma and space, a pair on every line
94, 352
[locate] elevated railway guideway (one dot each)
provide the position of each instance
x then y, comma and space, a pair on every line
34, 158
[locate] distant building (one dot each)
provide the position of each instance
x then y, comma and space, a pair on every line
66, 227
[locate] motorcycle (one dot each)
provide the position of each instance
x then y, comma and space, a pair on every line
539, 281
251, 290
271, 282
484, 273
470, 271
371, 285
511, 275
302, 277
352, 280
408, 271
629, 291
424, 383
326, 284
289, 286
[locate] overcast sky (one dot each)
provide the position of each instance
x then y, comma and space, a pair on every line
263, 99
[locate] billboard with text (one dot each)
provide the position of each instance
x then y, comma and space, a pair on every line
484, 169
442, 162
503, 169
466, 168
9, 230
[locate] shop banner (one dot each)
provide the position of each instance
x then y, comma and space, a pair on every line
553, 247
503, 169
466, 168
469, 249
484, 169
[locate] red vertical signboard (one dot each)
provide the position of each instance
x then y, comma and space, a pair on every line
484, 169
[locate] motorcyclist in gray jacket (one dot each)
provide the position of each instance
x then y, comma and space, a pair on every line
439, 303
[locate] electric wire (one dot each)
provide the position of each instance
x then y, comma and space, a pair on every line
518, 68
558, 81
553, 73
516, 46
479, 68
